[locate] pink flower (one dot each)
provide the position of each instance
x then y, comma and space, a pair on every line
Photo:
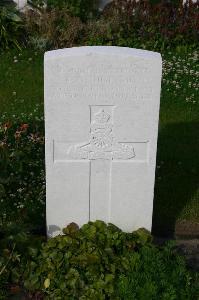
24, 127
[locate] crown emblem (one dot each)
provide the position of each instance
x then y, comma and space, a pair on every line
102, 117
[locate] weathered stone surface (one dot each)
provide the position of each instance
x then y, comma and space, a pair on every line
101, 122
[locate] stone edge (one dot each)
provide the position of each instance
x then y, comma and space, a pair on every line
103, 50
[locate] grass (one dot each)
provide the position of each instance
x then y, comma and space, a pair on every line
21, 84
177, 185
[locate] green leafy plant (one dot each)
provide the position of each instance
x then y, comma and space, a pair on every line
11, 27
54, 28
83, 263
141, 24
16, 247
22, 164
138, 24
157, 274
84, 9
99, 261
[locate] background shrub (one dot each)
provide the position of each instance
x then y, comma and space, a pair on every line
84, 9
158, 26
22, 178
67, 23
11, 26
53, 29
123, 23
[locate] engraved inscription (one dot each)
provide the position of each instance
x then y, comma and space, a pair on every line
102, 144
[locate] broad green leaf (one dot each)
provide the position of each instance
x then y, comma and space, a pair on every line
47, 283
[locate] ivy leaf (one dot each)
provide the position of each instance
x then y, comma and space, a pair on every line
71, 229
143, 236
47, 283
109, 278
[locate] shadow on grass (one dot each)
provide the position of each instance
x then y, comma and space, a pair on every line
177, 177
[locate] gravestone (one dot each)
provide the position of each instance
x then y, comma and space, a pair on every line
101, 125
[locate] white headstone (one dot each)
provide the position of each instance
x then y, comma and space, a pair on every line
101, 125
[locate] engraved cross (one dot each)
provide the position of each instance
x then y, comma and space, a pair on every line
101, 151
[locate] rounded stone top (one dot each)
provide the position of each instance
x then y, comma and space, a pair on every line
103, 50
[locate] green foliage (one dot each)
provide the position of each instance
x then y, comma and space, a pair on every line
137, 24
21, 92
84, 9
140, 24
16, 247
83, 263
157, 274
22, 164
99, 261
7, 3
10, 27
54, 28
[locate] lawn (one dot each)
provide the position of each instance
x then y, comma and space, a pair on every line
177, 185
21, 85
